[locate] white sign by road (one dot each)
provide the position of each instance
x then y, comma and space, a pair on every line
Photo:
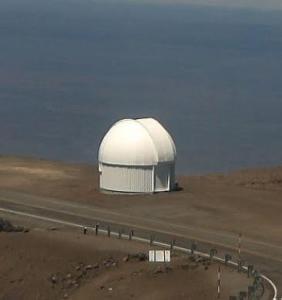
159, 255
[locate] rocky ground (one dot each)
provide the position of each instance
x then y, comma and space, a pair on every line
246, 201
57, 263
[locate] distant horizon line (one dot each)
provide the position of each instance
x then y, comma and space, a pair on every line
260, 5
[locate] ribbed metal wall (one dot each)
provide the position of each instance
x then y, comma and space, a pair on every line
126, 178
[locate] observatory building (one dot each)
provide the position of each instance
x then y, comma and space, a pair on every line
137, 156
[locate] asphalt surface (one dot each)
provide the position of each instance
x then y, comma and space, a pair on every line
266, 257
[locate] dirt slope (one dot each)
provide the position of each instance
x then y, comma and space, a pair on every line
60, 264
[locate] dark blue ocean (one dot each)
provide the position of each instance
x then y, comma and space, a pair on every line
213, 76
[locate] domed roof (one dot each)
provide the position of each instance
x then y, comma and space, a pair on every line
137, 142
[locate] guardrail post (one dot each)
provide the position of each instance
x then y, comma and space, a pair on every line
109, 231
172, 244
151, 240
257, 280
120, 233
213, 252
240, 264
250, 270
130, 235
193, 247
227, 258
84, 230
97, 229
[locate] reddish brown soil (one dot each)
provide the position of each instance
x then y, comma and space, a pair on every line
245, 201
29, 262
240, 201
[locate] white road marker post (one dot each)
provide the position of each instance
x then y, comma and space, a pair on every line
239, 245
218, 282
239, 251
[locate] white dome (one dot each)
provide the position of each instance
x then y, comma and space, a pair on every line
163, 142
142, 142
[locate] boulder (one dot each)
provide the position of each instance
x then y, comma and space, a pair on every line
7, 226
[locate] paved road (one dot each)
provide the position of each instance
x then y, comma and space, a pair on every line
266, 257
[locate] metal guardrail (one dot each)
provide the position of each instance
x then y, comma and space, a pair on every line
189, 251
140, 239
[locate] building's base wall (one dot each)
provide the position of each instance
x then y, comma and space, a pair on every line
112, 192
126, 178
137, 179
